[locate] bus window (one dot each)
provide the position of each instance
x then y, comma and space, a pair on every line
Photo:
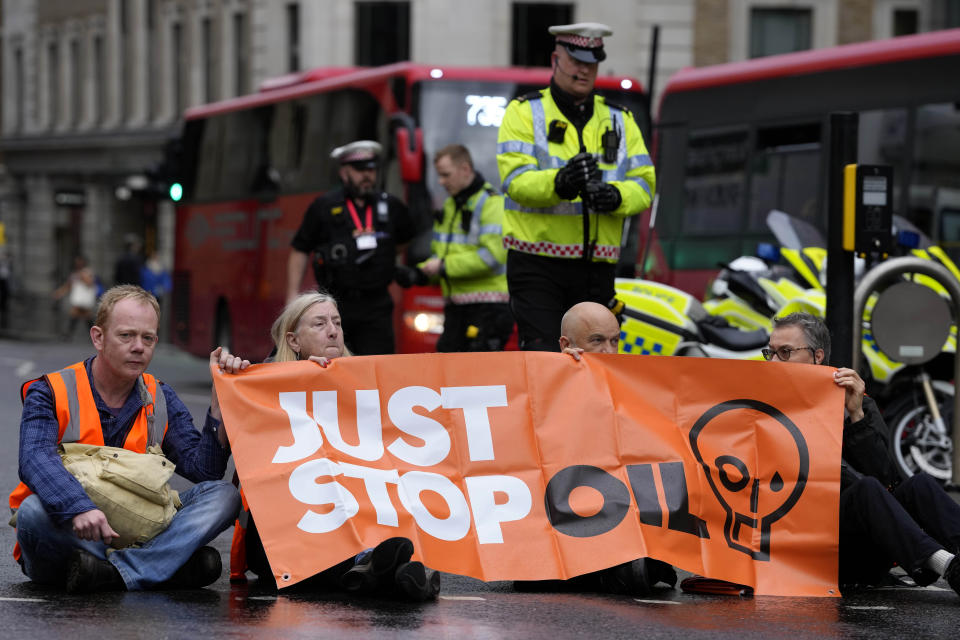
785, 175
244, 151
233, 155
950, 227
209, 159
713, 186
935, 179
467, 113
287, 141
883, 140
357, 116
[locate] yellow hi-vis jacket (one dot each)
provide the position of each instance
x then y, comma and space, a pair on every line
474, 262
536, 219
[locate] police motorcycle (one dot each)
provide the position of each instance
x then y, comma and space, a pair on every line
657, 319
917, 401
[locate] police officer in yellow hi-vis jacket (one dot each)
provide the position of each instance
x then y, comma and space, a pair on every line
573, 167
469, 258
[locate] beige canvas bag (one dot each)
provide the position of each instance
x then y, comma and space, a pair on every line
130, 488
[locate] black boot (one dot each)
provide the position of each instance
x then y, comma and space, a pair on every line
203, 568
417, 582
379, 568
662, 572
632, 578
86, 573
952, 574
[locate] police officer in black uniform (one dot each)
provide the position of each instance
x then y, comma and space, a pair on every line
353, 234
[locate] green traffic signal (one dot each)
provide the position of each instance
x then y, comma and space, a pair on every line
176, 191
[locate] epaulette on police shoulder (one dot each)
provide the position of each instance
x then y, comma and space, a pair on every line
533, 95
615, 105
491, 191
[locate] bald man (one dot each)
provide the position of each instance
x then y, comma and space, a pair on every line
589, 327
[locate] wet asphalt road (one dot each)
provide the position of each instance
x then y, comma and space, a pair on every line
467, 608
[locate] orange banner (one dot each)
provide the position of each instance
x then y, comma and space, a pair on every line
530, 466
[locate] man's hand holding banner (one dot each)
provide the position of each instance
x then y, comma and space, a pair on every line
530, 466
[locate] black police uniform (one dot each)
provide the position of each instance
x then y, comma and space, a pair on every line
357, 276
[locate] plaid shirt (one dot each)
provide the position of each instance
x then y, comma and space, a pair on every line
197, 454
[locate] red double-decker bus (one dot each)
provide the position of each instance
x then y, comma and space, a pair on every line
250, 166
737, 140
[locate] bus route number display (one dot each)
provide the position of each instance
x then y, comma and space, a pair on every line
485, 111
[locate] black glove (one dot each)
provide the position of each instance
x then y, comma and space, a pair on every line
408, 277
574, 176
601, 197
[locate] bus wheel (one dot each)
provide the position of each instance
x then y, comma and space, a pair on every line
222, 329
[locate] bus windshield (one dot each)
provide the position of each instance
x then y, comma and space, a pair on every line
469, 112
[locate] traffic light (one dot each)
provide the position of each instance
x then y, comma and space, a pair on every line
165, 177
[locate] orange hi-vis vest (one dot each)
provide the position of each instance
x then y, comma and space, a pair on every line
79, 418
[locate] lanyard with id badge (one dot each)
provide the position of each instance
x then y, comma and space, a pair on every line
364, 234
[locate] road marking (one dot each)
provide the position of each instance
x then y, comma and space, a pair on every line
656, 601
24, 368
461, 598
868, 608
910, 587
22, 599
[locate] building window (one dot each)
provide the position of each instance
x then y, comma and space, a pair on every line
74, 80
206, 35
176, 67
240, 54
53, 83
18, 88
774, 31
905, 22
293, 37
532, 43
383, 33
123, 44
99, 86
148, 45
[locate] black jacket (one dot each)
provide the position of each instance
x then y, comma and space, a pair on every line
340, 266
865, 449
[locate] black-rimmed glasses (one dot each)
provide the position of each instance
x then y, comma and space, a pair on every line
783, 353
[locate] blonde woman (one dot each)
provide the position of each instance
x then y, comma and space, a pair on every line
309, 329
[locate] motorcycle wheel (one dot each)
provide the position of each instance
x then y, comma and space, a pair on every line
915, 443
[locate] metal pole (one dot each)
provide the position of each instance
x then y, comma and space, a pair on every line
652, 69
840, 318
891, 271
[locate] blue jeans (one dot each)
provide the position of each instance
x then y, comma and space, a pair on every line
208, 509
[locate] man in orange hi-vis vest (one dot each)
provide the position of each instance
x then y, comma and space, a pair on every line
108, 399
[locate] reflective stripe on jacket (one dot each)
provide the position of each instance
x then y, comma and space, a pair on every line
536, 220
79, 419
474, 262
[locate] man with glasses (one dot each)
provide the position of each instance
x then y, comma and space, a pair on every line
883, 520
354, 234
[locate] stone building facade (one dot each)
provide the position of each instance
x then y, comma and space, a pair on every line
92, 89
